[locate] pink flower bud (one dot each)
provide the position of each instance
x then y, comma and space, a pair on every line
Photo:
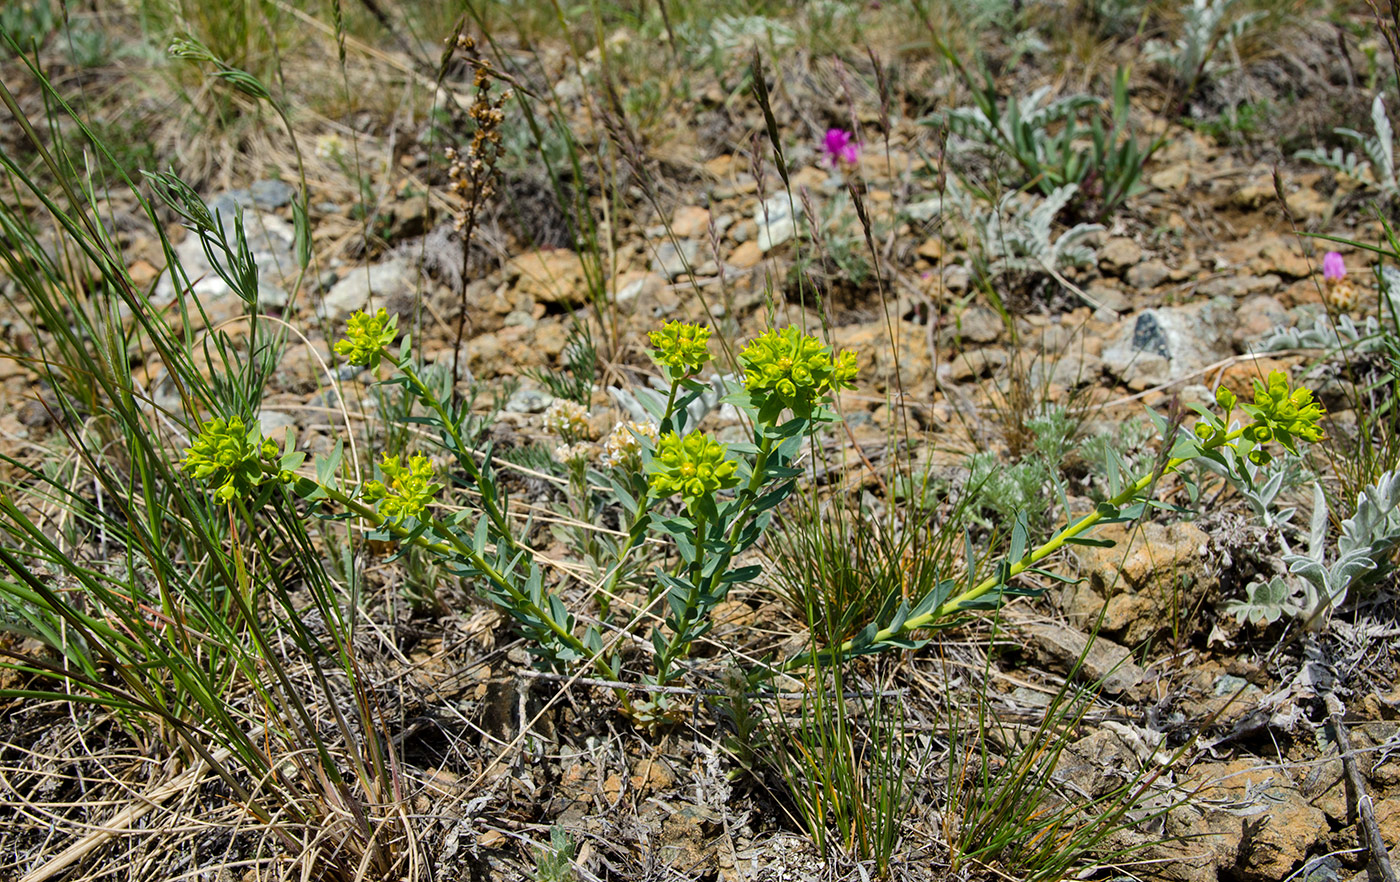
840, 148
1333, 269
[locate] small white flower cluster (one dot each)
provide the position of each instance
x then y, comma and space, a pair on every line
575, 454
331, 147
624, 445
567, 419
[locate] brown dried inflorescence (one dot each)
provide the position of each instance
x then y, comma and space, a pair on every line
472, 172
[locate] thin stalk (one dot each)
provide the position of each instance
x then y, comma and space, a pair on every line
464, 457
634, 534
750, 494
1043, 551
454, 546
678, 640
670, 405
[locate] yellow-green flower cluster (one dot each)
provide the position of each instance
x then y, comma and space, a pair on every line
681, 348
693, 467
366, 336
788, 368
229, 456
1282, 414
406, 489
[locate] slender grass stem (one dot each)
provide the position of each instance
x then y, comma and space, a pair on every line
995, 581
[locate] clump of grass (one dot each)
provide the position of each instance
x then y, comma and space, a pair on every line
209, 628
843, 566
1011, 806
850, 767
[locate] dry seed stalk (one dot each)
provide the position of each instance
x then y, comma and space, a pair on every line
472, 173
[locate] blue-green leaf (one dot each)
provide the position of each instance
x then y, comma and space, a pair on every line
1020, 536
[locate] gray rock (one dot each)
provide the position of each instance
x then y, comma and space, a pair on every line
1148, 274
1229, 684
226, 204
1240, 286
1069, 369
329, 397
978, 325
1109, 296
1259, 316
956, 278
527, 400
1161, 345
1118, 255
1149, 335
1327, 868
1101, 661
974, 363
271, 193
520, 318
272, 297
36, 414
670, 261
390, 283
275, 423
271, 243
777, 219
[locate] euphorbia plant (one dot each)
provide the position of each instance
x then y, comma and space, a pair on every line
726, 493
785, 372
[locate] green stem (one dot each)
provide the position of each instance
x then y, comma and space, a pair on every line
750, 496
456, 547
679, 639
1078, 528
670, 403
488, 502
636, 532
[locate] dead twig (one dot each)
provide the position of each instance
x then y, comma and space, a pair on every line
1378, 868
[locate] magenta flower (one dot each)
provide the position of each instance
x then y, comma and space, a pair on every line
840, 147
1333, 269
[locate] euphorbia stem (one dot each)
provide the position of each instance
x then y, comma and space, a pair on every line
1078, 528
676, 645
463, 455
666, 414
454, 546
750, 493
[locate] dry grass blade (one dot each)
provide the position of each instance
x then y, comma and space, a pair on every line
118, 824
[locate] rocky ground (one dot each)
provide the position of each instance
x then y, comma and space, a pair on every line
1209, 276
